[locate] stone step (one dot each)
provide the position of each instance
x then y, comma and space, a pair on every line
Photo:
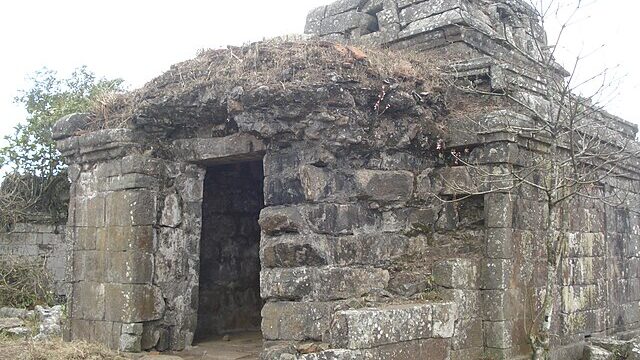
372, 327
432, 349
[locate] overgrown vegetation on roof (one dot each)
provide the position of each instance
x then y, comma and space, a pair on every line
210, 78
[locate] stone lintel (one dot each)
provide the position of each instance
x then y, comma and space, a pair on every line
232, 148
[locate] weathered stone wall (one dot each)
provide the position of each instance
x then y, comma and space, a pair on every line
366, 246
596, 289
457, 28
135, 245
229, 250
350, 231
40, 244
351, 242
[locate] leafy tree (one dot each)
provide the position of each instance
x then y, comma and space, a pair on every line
30, 149
34, 186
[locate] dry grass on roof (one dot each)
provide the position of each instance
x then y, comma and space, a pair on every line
281, 64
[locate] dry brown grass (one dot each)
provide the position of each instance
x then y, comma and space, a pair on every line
29, 198
279, 64
11, 349
24, 284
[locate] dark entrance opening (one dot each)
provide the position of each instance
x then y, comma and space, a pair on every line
229, 250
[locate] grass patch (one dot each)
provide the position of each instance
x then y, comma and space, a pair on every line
54, 350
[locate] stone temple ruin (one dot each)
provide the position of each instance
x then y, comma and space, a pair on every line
307, 207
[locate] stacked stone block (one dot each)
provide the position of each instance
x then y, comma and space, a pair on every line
456, 27
370, 247
41, 244
621, 259
333, 251
131, 287
459, 280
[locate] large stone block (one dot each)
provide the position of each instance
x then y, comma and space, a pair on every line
322, 184
496, 153
128, 182
130, 343
283, 190
130, 267
582, 297
346, 21
294, 250
388, 17
319, 183
190, 186
81, 329
466, 354
592, 352
585, 244
384, 186
432, 349
90, 265
89, 211
334, 354
376, 249
341, 6
498, 210
296, 320
432, 23
222, 149
70, 125
499, 305
409, 220
445, 315
278, 162
495, 274
88, 301
131, 208
426, 9
582, 271
107, 333
279, 220
632, 248
321, 284
368, 328
126, 238
467, 334
456, 274
497, 334
85, 238
171, 211
339, 219
529, 215
104, 332
583, 322
499, 243
446, 181
317, 14
427, 184
468, 302
131, 303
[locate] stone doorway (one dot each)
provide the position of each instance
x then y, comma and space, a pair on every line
229, 295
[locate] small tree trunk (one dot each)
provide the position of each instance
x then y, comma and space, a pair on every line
540, 340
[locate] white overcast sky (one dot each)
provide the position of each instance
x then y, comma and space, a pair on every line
139, 39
